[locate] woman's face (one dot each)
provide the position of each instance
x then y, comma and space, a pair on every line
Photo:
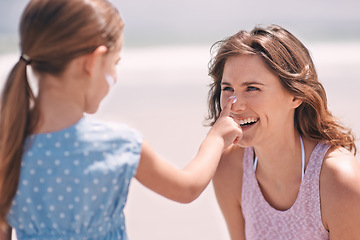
264, 109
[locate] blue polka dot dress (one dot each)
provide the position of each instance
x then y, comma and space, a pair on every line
74, 183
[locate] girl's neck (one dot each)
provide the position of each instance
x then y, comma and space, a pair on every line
55, 120
59, 106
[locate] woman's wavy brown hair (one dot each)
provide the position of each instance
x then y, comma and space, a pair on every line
52, 33
290, 60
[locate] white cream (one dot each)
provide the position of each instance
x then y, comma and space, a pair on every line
235, 99
110, 80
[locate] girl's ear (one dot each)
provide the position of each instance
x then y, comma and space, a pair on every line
296, 102
92, 58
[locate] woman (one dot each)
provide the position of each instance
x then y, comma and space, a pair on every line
292, 175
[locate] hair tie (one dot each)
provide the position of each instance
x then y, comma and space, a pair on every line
25, 58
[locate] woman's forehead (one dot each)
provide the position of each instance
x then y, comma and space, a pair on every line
246, 68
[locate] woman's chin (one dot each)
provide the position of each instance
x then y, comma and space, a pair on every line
244, 144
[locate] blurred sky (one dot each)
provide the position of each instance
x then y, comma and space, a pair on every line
159, 22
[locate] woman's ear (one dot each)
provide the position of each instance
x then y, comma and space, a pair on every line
296, 102
91, 59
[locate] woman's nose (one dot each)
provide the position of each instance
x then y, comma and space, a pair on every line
238, 105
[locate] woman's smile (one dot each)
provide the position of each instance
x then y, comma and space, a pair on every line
245, 122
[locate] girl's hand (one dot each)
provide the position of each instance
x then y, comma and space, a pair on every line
225, 127
187, 184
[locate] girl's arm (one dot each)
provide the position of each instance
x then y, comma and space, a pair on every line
186, 185
5, 234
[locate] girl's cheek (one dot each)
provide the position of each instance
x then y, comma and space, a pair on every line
110, 80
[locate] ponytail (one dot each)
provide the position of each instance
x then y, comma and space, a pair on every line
16, 100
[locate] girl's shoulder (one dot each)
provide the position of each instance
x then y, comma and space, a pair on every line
90, 126
95, 127
88, 133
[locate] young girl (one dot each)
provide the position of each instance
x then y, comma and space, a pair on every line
292, 175
64, 175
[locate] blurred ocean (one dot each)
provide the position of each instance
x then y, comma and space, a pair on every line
177, 75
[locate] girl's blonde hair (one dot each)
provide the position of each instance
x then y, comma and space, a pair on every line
290, 60
52, 33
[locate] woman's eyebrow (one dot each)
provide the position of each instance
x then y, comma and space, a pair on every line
244, 83
225, 83
252, 83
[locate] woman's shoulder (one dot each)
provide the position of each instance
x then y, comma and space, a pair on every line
232, 158
340, 165
230, 169
340, 170
340, 189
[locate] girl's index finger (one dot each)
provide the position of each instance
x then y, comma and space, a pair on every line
226, 109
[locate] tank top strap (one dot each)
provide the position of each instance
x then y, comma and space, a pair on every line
314, 165
248, 161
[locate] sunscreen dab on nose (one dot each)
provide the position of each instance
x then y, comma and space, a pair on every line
234, 99
110, 80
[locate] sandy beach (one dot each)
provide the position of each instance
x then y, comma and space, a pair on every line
162, 92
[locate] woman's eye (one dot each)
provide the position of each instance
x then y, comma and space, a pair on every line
250, 89
227, 89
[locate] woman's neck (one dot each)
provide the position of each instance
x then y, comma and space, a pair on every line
280, 158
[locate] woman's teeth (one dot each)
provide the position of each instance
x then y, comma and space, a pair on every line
248, 121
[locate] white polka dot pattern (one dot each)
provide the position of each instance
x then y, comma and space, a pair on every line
74, 183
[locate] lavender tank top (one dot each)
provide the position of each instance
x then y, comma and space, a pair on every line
302, 221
